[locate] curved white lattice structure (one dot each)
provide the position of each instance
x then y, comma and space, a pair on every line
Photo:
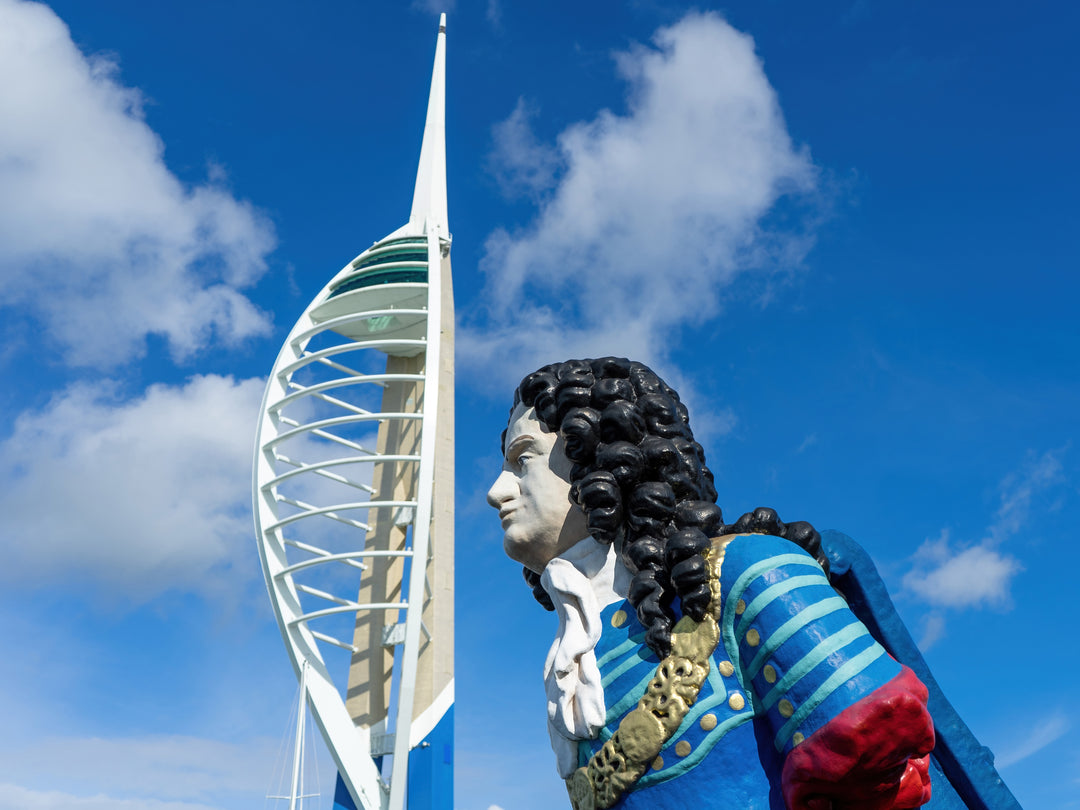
353, 490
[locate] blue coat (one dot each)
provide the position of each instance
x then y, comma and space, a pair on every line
791, 657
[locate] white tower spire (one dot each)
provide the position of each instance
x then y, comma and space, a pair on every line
429, 196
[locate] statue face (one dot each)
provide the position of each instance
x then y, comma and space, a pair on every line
532, 494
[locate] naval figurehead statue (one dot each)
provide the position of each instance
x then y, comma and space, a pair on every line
697, 664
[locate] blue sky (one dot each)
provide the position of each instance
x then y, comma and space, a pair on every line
845, 231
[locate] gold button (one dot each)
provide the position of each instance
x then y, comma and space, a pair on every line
736, 701
658, 763
708, 722
682, 748
752, 637
619, 619
770, 673
726, 668
740, 606
797, 738
785, 708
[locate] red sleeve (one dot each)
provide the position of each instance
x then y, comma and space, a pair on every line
874, 755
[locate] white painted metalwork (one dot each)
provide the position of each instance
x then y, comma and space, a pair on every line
360, 400
297, 791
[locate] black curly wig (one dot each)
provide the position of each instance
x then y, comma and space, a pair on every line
641, 479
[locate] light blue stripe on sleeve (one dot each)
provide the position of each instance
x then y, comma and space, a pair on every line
832, 683
822, 651
790, 628
758, 568
763, 599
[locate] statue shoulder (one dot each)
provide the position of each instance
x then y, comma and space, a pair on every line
739, 558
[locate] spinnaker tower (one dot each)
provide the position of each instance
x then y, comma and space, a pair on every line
353, 491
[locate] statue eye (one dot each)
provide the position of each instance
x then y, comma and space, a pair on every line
521, 452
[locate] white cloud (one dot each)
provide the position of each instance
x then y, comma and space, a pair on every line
520, 163
933, 631
156, 772
654, 212
433, 6
97, 237
14, 797
140, 496
1045, 731
960, 577
494, 14
1018, 491
720, 422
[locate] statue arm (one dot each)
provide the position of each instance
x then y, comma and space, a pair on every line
848, 721
872, 756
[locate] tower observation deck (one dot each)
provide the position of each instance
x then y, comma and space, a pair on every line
353, 493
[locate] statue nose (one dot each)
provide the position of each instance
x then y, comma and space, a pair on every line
501, 490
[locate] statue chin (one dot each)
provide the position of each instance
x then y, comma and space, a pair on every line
536, 555
519, 550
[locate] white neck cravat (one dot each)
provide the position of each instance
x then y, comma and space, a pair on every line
581, 582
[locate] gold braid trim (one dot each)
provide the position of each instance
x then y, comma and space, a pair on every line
625, 757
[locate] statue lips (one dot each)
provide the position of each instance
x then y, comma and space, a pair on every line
505, 514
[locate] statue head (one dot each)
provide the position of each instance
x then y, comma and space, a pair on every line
540, 520
604, 448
